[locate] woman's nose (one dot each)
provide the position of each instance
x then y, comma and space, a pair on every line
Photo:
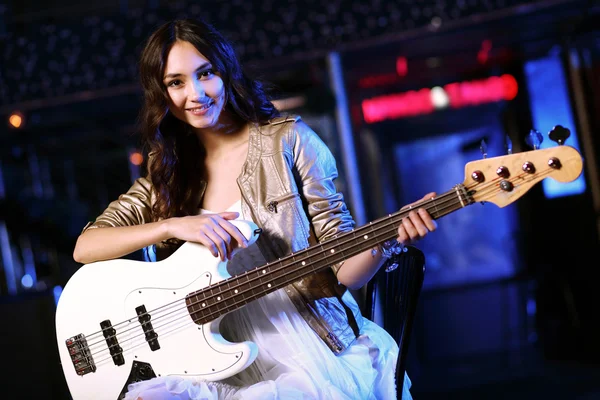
196, 90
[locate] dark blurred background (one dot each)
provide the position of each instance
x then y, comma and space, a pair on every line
403, 92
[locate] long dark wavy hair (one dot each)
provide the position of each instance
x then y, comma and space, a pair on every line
175, 165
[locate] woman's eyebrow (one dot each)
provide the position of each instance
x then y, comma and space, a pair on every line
203, 66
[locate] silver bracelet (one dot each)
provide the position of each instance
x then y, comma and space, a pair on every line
391, 247
388, 248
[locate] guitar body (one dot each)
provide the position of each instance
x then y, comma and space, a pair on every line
112, 290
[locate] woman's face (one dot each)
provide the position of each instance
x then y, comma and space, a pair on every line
196, 93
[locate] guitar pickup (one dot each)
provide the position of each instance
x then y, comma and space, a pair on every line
116, 352
151, 336
80, 354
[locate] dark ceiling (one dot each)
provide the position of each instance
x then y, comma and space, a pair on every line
71, 66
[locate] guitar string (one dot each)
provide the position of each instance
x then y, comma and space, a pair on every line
187, 314
235, 304
384, 227
184, 311
181, 315
451, 193
172, 329
221, 283
375, 239
437, 205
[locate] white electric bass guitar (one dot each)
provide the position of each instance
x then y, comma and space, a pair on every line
123, 321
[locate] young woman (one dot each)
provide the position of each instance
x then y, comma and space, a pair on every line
219, 151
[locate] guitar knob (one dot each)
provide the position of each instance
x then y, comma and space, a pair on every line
528, 167
534, 139
506, 186
554, 163
478, 176
503, 172
559, 134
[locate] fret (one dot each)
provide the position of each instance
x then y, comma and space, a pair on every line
435, 212
265, 280
280, 281
242, 288
227, 294
293, 272
349, 240
247, 285
315, 254
370, 236
210, 299
196, 312
228, 287
229, 298
371, 232
364, 240
278, 273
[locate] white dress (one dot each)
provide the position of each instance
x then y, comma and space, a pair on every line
293, 363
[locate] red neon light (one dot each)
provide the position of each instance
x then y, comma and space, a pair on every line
484, 53
386, 79
397, 106
460, 94
377, 80
401, 66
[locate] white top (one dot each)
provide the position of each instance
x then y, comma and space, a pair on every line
293, 362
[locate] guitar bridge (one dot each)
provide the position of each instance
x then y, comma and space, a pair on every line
80, 355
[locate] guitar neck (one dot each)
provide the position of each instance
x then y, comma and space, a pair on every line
216, 300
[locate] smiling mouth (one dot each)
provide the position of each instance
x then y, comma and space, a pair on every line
201, 109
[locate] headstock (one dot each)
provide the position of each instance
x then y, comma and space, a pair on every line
502, 180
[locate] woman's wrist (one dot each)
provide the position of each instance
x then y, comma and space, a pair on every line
388, 248
166, 228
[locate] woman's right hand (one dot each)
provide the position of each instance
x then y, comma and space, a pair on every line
214, 231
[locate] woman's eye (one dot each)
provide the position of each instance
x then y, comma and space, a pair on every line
174, 83
206, 74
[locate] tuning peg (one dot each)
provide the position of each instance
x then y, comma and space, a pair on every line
483, 148
559, 134
508, 143
534, 139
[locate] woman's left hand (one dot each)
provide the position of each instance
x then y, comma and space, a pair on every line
417, 224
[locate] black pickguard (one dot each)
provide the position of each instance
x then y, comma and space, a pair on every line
140, 371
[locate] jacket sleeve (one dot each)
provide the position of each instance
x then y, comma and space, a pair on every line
317, 172
131, 208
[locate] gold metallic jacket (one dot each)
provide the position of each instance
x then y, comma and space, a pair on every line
287, 186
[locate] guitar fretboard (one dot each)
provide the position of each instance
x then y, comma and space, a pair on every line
213, 301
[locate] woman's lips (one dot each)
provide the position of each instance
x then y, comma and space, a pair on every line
201, 110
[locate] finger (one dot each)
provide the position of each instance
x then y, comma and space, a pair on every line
418, 224
413, 204
213, 229
403, 237
234, 232
225, 238
406, 206
208, 243
229, 214
429, 222
429, 196
218, 242
409, 227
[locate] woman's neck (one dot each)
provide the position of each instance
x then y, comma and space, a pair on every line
228, 135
